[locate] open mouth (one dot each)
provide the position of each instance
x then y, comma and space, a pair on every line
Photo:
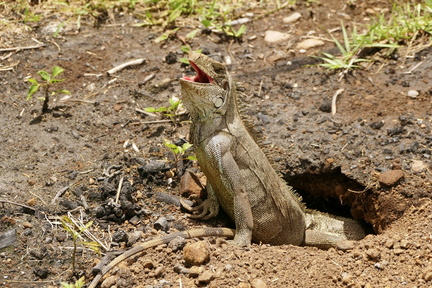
201, 77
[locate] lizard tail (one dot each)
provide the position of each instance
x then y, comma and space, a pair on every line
325, 230
199, 232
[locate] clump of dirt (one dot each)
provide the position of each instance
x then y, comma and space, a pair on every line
100, 157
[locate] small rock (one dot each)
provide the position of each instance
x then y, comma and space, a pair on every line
109, 282
133, 237
38, 254
197, 253
275, 36
171, 58
309, 43
373, 254
389, 243
158, 271
117, 107
120, 236
427, 276
345, 245
325, 107
263, 118
258, 283
418, 166
27, 224
413, 93
391, 177
161, 224
177, 243
190, 184
7, 238
195, 271
206, 277
377, 125
42, 273
292, 18
346, 278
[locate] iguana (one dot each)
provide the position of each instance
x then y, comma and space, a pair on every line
239, 176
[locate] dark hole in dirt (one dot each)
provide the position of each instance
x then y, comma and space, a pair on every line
329, 191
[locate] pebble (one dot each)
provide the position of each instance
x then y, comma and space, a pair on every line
206, 277
258, 283
27, 224
177, 243
413, 93
391, 177
109, 282
373, 254
345, 245
190, 184
427, 276
117, 107
309, 43
418, 166
161, 224
197, 253
120, 236
292, 18
275, 36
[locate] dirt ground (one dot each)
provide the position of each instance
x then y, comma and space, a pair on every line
347, 164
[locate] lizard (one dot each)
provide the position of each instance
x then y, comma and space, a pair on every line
240, 178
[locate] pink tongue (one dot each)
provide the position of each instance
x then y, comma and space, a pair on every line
201, 77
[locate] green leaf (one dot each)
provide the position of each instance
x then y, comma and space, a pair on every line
206, 23
192, 158
185, 61
34, 81
56, 80
165, 36
44, 75
32, 90
240, 31
192, 34
186, 146
56, 70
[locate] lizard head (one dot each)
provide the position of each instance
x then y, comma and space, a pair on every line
207, 92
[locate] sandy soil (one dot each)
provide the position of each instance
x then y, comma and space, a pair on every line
90, 141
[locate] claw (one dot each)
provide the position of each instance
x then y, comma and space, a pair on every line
206, 209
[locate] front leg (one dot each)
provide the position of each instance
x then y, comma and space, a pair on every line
218, 153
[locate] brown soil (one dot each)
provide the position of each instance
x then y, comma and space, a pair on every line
87, 143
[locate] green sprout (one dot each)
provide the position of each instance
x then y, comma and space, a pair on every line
75, 232
48, 81
172, 111
78, 284
179, 152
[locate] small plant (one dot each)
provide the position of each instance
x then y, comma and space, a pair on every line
186, 49
172, 111
78, 284
348, 59
230, 31
75, 232
48, 81
179, 152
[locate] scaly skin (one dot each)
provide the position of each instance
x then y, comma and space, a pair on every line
240, 179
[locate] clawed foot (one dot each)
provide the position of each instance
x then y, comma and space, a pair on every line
206, 209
